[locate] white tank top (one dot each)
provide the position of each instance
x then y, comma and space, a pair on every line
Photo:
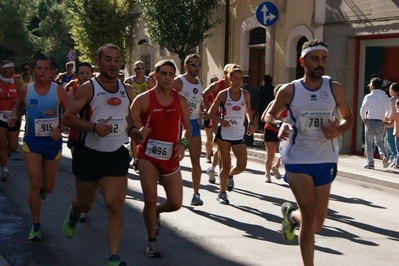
235, 112
193, 94
108, 104
307, 111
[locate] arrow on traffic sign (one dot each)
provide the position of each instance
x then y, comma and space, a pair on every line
267, 15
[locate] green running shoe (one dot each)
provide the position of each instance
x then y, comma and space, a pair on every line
115, 260
288, 227
35, 236
69, 227
43, 194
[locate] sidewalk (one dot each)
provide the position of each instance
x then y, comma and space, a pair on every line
349, 166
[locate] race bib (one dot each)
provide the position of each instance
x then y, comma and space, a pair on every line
194, 105
236, 121
4, 115
45, 126
311, 121
117, 127
160, 150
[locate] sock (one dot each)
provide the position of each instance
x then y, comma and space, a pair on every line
114, 257
230, 176
291, 217
72, 218
152, 239
36, 227
5, 169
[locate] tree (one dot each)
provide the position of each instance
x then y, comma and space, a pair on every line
179, 25
96, 23
14, 35
54, 39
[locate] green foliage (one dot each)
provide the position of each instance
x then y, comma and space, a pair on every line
14, 35
54, 38
179, 25
95, 23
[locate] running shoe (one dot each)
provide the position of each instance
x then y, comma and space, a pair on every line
84, 217
276, 173
196, 201
4, 175
288, 227
69, 227
35, 235
385, 162
115, 260
43, 194
268, 179
222, 198
158, 225
151, 250
211, 173
230, 183
367, 166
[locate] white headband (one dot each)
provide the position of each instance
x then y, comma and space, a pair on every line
7, 65
313, 48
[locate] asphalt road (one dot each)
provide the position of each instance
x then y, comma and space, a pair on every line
361, 227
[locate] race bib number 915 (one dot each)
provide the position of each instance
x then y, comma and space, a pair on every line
45, 126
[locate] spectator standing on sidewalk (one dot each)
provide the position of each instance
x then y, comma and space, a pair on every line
393, 92
249, 139
309, 147
265, 97
395, 122
191, 87
375, 110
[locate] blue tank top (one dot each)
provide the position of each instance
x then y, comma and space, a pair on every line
42, 112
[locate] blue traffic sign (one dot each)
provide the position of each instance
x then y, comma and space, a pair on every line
266, 14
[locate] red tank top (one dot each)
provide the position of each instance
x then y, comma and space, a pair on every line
165, 124
8, 96
283, 114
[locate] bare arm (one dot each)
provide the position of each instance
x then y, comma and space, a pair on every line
81, 98
334, 130
180, 149
209, 91
177, 84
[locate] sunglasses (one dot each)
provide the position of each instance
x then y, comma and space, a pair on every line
195, 64
139, 68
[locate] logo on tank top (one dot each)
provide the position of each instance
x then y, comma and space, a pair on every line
195, 90
114, 101
48, 112
33, 102
324, 96
236, 108
313, 97
123, 94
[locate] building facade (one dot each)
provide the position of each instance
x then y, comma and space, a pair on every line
362, 36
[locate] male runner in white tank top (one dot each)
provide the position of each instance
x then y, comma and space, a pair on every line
309, 147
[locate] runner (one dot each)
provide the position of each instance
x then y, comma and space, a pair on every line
42, 144
191, 87
162, 112
106, 125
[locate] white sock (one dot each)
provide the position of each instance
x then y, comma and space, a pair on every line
291, 218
